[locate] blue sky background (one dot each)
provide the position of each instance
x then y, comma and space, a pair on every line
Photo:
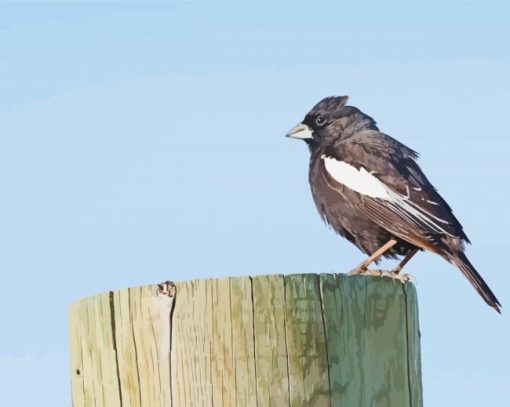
141, 142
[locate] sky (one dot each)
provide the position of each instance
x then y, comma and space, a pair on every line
141, 142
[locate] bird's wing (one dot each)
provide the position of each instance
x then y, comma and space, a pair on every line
393, 191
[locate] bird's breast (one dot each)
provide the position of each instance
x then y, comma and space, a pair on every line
337, 203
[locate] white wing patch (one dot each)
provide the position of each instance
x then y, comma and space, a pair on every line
361, 181
365, 183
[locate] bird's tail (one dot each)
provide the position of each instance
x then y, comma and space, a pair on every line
461, 261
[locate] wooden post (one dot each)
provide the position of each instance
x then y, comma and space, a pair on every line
295, 340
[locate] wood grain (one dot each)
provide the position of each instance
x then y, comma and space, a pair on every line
295, 340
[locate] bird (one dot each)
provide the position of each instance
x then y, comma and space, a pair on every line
370, 189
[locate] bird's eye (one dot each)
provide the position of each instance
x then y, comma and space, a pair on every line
320, 119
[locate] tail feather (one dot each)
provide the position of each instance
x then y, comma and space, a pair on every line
461, 261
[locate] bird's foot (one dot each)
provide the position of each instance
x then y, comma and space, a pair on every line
403, 278
357, 271
361, 269
365, 272
395, 274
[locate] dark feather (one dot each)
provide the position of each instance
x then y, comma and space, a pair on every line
413, 212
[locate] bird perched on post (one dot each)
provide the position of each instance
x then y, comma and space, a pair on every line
370, 189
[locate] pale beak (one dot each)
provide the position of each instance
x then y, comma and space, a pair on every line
300, 131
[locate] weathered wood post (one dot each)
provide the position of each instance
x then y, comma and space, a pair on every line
295, 340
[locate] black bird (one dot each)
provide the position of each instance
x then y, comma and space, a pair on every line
370, 189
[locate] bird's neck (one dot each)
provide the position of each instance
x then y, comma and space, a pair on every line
312, 145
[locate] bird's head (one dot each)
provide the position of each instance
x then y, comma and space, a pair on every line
329, 120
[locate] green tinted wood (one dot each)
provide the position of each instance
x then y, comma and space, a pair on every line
413, 346
299, 340
270, 341
306, 341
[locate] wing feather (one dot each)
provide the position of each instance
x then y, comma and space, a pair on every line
411, 208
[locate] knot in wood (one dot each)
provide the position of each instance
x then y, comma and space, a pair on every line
167, 288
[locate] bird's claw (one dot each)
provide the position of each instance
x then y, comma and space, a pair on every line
355, 272
361, 269
365, 272
403, 278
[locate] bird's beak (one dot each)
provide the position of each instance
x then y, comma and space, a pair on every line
300, 131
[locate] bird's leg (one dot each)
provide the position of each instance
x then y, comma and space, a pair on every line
405, 260
395, 274
374, 256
